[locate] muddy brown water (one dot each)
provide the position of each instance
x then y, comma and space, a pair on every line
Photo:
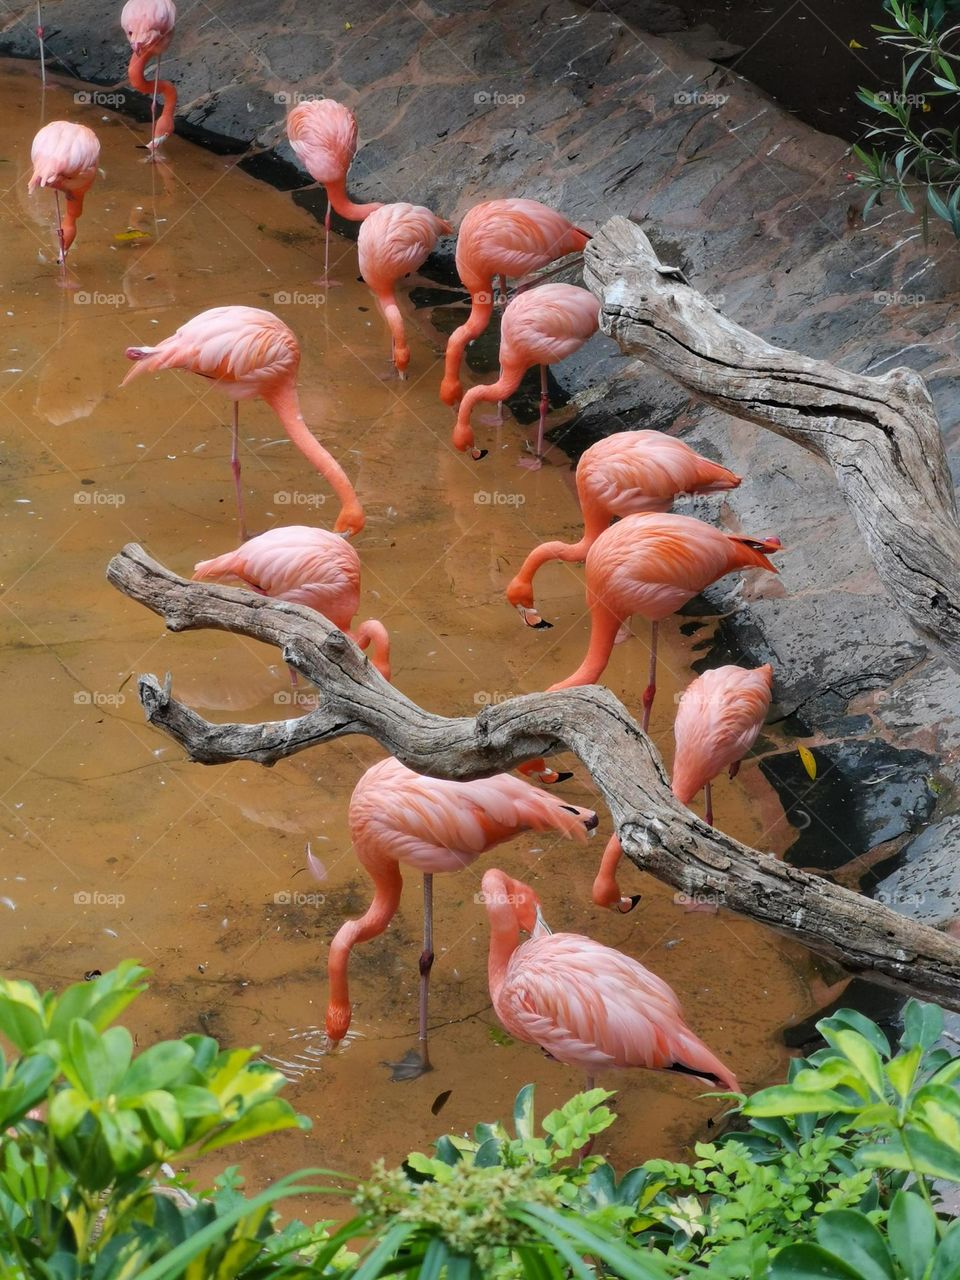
116, 846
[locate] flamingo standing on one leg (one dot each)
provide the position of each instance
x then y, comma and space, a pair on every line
43, 51
583, 1003
251, 354
305, 566
541, 326
718, 720
323, 134
65, 157
501, 238
400, 818
395, 240
624, 474
652, 565
148, 25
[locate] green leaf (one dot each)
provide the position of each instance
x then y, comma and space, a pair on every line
269, 1116
902, 1070
864, 1057
21, 1014
97, 1060
99, 1001
853, 1237
433, 1259
854, 1021
810, 1262
164, 1117
523, 1118
67, 1110
157, 1067
946, 1262
786, 1100
912, 1229
388, 1245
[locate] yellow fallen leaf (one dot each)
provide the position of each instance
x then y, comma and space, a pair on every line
348, 26
809, 762
124, 237
926, 107
855, 44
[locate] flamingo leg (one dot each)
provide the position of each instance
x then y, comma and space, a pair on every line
326, 245
708, 804
426, 964
235, 468
153, 107
43, 57
503, 291
63, 252
651, 689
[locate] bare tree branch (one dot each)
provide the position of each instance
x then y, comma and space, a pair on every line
880, 435
658, 834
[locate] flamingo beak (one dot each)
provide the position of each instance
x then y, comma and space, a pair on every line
541, 925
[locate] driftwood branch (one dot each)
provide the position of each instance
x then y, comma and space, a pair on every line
658, 834
880, 435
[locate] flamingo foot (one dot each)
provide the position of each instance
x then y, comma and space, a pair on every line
411, 1066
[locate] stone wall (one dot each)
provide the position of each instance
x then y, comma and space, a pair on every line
460, 100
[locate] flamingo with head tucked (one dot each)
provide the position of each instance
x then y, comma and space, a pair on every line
65, 157
540, 326
305, 566
250, 354
652, 565
323, 135
148, 25
501, 238
394, 241
399, 818
718, 720
624, 474
583, 1003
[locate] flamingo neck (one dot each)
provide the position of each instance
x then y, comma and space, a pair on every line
481, 309
394, 319
604, 626
341, 202
285, 403
504, 940
520, 590
136, 73
373, 634
510, 378
388, 885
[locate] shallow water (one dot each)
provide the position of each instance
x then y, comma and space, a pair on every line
116, 846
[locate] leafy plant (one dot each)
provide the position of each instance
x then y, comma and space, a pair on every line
908, 152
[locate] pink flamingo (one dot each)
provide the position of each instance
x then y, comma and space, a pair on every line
652, 565
501, 238
718, 720
148, 25
65, 157
583, 1003
400, 818
250, 354
323, 135
624, 474
395, 240
305, 566
540, 326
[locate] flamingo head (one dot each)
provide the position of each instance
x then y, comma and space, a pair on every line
506, 898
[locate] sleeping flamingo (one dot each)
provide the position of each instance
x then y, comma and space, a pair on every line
501, 238
718, 720
307, 566
65, 157
652, 565
395, 240
583, 1003
250, 354
540, 326
624, 474
400, 818
148, 25
323, 135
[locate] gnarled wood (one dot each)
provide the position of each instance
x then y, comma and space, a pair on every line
658, 834
880, 435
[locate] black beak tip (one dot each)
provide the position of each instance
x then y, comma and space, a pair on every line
593, 821
634, 900
542, 625
563, 776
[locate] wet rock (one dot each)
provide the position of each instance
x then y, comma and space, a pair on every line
925, 880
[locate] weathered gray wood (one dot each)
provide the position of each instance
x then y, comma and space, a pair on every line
658, 834
880, 435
